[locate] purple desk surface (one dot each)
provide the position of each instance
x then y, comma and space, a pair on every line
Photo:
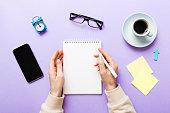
17, 96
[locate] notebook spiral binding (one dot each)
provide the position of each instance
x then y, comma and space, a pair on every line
82, 41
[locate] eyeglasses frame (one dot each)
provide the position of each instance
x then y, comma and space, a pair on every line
86, 18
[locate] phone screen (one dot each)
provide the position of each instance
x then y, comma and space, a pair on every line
28, 63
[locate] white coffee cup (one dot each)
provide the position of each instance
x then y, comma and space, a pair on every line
141, 28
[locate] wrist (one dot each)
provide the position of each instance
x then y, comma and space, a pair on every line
111, 87
56, 94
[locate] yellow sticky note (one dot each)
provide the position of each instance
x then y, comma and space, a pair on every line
144, 82
138, 66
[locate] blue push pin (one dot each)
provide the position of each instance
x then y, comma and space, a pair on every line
156, 54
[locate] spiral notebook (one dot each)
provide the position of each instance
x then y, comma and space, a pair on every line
80, 74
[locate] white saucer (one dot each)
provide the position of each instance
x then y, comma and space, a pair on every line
128, 30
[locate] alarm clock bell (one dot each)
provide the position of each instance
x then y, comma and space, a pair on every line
38, 24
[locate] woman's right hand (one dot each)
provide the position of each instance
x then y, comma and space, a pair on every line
56, 73
108, 79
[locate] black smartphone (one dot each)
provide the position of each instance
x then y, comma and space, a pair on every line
28, 63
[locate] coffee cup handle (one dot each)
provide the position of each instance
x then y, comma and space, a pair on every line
150, 34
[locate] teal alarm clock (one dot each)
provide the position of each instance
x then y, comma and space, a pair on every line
38, 24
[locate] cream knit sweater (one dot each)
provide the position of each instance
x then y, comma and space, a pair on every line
118, 102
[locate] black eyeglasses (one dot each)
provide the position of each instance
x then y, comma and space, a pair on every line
91, 21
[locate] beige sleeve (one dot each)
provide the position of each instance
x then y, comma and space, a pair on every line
118, 102
52, 104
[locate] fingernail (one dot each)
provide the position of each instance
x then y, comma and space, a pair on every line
58, 61
100, 58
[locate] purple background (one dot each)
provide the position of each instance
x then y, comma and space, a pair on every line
17, 96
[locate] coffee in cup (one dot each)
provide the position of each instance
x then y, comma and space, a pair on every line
141, 28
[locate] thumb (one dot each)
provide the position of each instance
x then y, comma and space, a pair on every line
59, 67
101, 65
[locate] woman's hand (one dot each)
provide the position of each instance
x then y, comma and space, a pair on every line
108, 79
56, 74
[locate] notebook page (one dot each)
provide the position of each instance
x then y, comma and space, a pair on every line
81, 77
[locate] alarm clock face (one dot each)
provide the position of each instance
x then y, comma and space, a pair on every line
39, 26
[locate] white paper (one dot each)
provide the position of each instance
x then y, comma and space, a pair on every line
80, 74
